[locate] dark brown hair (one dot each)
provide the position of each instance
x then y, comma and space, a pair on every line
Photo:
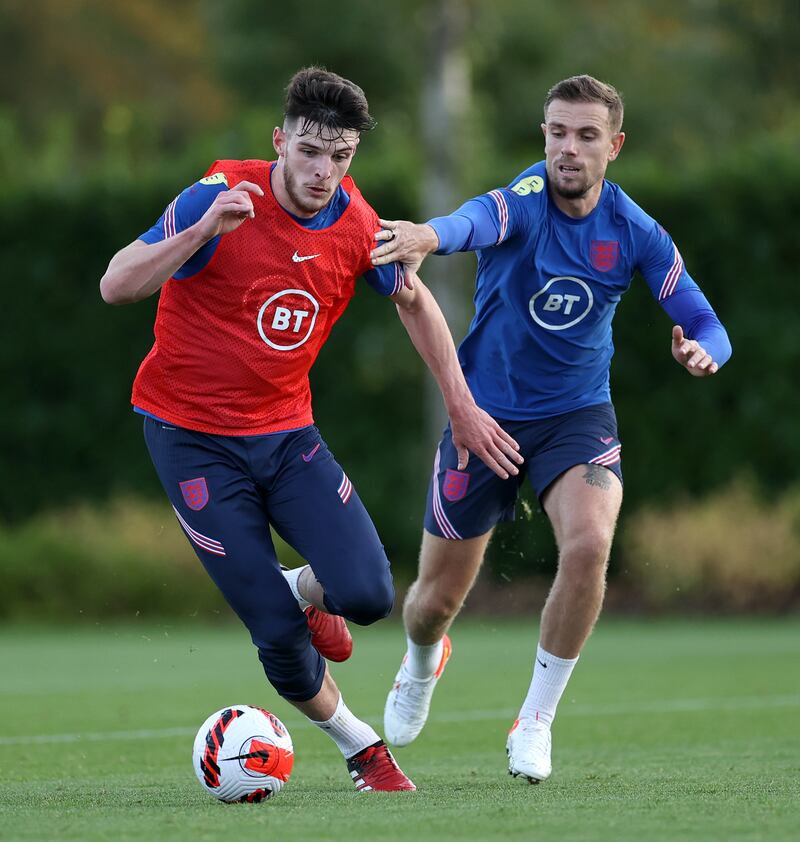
588, 89
319, 100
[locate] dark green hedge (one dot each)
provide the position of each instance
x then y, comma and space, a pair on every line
68, 359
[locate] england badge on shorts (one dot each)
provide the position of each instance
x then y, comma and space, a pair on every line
455, 485
195, 493
604, 254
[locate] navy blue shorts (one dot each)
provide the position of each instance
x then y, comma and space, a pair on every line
228, 490
465, 504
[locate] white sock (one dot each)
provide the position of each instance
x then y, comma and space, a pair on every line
550, 677
350, 734
423, 661
291, 577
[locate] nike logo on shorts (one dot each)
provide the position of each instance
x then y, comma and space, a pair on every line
307, 457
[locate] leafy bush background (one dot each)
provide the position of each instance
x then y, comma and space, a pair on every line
732, 551
69, 434
735, 550
126, 558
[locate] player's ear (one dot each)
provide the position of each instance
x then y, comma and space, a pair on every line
279, 140
616, 145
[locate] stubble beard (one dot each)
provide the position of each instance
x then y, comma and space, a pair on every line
570, 192
299, 201
574, 191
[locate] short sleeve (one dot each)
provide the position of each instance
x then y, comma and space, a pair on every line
386, 279
183, 211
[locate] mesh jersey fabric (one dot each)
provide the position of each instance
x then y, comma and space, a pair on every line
235, 343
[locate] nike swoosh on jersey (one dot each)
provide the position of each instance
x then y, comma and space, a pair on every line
299, 258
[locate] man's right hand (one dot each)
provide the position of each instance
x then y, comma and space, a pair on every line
474, 430
404, 242
229, 210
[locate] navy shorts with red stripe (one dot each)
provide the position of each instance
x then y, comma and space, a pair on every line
465, 504
227, 491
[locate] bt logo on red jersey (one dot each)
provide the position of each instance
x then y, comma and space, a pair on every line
287, 318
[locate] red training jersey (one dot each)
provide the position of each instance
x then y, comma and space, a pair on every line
235, 342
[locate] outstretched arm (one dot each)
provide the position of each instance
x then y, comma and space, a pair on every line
138, 270
477, 224
473, 429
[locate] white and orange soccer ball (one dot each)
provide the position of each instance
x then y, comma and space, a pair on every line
243, 753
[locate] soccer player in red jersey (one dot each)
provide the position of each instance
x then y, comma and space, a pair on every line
254, 264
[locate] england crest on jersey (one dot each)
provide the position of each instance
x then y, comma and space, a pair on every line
604, 254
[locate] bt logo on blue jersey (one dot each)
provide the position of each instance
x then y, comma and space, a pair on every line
561, 303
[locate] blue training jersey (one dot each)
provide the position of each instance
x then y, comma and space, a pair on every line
547, 287
188, 207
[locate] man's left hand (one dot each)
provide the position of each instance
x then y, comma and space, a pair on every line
404, 242
692, 355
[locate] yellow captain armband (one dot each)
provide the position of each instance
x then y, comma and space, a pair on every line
531, 184
217, 178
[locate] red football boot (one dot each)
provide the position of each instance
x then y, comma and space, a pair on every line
329, 634
374, 769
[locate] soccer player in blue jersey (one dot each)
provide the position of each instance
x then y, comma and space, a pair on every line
556, 250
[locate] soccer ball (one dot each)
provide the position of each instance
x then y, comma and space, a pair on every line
243, 753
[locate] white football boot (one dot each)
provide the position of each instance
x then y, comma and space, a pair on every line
528, 750
409, 701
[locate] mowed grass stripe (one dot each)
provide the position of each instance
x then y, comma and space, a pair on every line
672, 706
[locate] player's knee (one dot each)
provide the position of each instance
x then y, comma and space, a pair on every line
365, 602
586, 552
437, 606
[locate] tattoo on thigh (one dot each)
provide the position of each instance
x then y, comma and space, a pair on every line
598, 476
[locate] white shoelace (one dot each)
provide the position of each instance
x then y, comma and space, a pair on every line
533, 734
413, 695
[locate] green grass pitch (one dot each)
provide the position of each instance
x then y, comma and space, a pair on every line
669, 730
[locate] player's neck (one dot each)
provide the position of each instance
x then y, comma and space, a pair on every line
580, 206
